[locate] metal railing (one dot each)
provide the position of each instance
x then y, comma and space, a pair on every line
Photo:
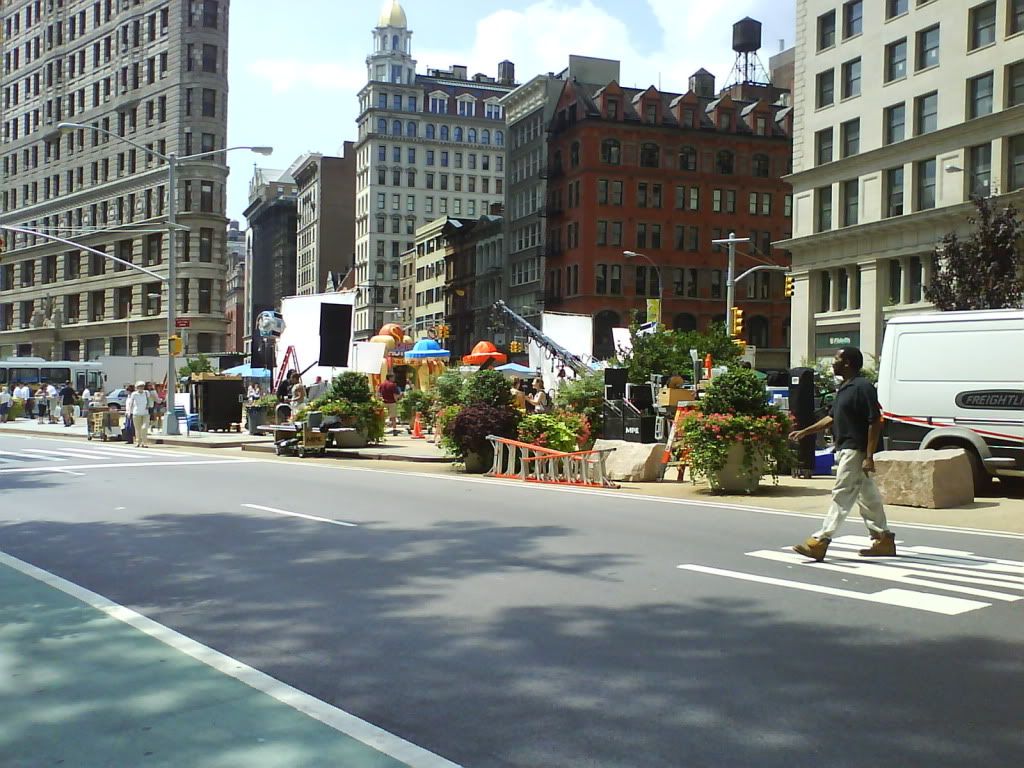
536, 464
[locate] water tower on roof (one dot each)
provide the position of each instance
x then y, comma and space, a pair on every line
746, 42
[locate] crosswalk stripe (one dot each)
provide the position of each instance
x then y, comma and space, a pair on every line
21, 456
74, 453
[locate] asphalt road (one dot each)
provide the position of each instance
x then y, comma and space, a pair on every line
504, 625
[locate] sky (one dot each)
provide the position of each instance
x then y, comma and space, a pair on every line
296, 67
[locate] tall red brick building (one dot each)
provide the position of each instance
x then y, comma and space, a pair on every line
664, 174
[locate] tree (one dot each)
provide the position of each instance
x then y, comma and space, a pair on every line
200, 364
667, 353
984, 270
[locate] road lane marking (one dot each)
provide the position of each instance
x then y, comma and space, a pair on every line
344, 722
903, 598
299, 514
123, 464
22, 457
75, 453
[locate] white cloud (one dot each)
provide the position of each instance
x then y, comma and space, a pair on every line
284, 75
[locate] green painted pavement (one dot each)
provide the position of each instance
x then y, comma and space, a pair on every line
80, 688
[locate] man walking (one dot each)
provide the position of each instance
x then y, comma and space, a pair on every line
138, 411
856, 421
390, 394
67, 404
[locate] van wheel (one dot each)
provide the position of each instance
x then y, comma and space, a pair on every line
982, 479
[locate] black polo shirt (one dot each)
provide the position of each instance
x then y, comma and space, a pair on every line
853, 411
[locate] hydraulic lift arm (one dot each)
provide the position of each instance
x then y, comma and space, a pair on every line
559, 352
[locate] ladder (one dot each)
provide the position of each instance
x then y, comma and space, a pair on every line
288, 355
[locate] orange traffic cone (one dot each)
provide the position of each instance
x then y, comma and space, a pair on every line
417, 428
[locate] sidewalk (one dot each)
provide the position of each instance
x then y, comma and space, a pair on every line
193, 440
399, 447
84, 688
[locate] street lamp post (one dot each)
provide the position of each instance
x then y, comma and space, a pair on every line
730, 282
172, 160
657, 271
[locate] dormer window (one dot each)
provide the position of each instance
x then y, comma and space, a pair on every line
467, 106
612, 109
650, 112
688, 118
761, 126
725, 120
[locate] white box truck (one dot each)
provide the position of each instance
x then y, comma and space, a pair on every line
956, 380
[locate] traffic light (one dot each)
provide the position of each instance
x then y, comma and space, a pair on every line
735, 322
789, 286
176, 346
515, 347
442, 331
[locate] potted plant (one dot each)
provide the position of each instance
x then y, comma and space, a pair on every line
736, 437
471, 427
260, 411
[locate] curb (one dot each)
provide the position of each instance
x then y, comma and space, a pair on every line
349, 453
154, 439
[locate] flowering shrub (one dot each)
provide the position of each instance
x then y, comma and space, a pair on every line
472, 425
706, 439
581, 427
548, 430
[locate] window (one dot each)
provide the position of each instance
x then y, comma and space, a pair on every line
641, 235
206, 244
574, 155
716, 201
926, 184
983, 25
1016, 12
716, 283
1015, 152
851, 79
611, 152
894, 192
209, 102
896, 60
853, 18
688, 159
824, 198
895, 8
1015, 82
979, 170
851, 202
649, 154
825, 88
928, 47
601, 279
979, 95
205, 295
760, 165
206, 196
826, 30
926, 113
209, 58
724, 162
823, 146
895, 123
849, 133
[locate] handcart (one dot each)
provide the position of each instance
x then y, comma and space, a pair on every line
104, 424
299, 439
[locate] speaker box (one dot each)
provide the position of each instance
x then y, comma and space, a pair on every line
615, 383
335, 335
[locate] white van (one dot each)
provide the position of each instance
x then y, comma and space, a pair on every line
956, 379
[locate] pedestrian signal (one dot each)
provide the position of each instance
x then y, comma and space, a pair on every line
789, 286
176, 346
735, 322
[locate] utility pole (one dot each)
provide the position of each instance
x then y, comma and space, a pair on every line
730, 283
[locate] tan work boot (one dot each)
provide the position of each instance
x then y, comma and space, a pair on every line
882, 545
813, 548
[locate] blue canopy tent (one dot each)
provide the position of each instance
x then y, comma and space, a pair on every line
515, 369
246, 371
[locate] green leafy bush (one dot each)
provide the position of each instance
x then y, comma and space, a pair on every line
667, 353
351, 386
489, 388
548, 430
584, 396
737, 391
416, 401
448, 389
707, 437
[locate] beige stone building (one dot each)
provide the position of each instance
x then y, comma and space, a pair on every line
156, 74
904, 109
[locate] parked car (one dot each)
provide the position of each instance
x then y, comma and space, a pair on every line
118, 397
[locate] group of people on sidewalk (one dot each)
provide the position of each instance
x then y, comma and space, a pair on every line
45, 403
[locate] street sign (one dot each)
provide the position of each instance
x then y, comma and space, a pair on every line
182, 322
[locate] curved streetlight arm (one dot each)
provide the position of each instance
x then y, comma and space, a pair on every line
657, 270
86, 248
760, 268
71, 126
257, 149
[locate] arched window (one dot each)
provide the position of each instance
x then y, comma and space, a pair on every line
684, 322
611, 152
396, 127
382, 125
649, 154
687, 159
485, 136
471, 135
499, 138
444, 133
410, 129
758, 331
574, 154
430, 130
761, 164
724, 161
383, 42
458, 133
394, 42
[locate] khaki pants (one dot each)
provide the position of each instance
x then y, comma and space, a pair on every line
854, 487
67, 412
141, 424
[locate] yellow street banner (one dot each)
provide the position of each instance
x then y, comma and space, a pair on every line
654, 310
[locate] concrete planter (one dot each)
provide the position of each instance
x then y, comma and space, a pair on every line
732, 478
478, 463
254, 418
354, 439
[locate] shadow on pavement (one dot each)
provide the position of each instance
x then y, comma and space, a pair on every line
374, 620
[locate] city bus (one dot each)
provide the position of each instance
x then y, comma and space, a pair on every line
32, 371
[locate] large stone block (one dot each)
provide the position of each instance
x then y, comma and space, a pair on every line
931, 478
632, 462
